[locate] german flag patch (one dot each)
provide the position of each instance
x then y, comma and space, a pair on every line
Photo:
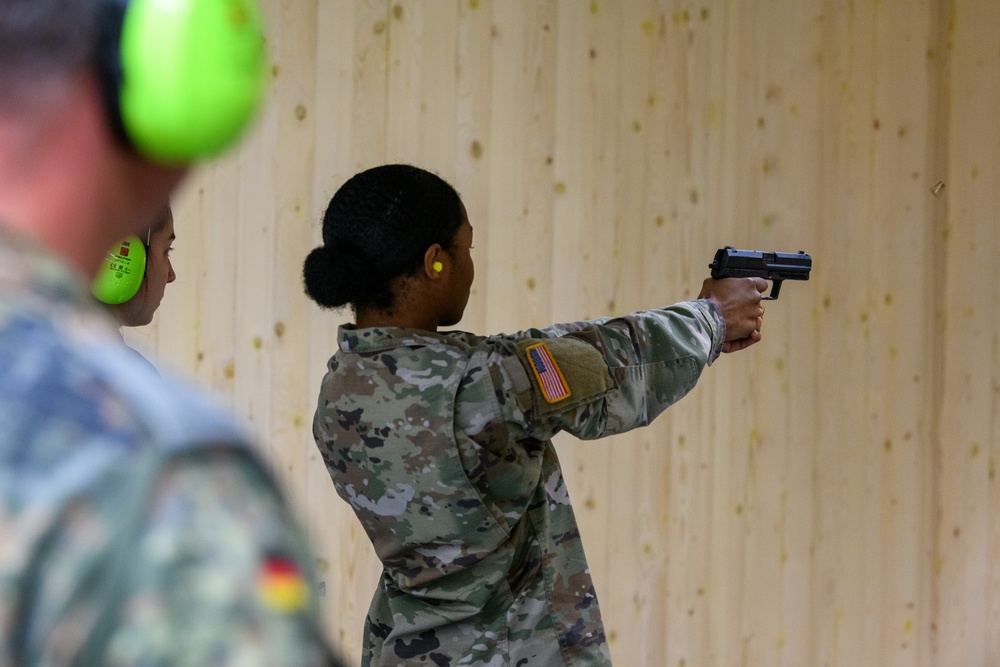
281, 585
550, 377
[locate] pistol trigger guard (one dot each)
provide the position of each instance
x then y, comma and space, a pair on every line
775, 288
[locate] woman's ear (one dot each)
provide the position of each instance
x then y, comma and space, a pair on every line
434, 261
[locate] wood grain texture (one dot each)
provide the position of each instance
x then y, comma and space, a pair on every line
829, 496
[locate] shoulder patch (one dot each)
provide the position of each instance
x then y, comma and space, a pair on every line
547, 371
575, 372
281, 586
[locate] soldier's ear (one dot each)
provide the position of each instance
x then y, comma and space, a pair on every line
434, 261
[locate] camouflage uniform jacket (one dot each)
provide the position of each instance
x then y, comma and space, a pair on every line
136, 527
440, 442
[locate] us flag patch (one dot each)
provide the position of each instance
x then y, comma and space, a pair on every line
550, 378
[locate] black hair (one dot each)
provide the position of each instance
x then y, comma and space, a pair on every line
376, 229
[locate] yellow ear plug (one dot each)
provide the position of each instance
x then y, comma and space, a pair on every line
438, 267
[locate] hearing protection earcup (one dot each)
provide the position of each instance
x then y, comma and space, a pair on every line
182, 78
120, 275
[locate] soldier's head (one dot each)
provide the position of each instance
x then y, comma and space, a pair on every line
385, 230
57, 148
105, 105
157, 273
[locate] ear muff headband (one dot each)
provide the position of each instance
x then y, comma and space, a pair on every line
120, 275
190, 73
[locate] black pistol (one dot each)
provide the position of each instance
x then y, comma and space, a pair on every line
774, 266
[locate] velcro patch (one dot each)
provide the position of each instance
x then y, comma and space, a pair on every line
550, 377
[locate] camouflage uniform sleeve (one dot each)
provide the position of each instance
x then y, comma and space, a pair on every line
607, 376
220, 574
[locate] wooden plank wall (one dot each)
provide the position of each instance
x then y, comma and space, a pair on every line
828, 497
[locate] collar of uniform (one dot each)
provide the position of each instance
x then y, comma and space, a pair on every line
27, 266
376, 339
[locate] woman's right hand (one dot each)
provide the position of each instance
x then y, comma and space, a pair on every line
740, 300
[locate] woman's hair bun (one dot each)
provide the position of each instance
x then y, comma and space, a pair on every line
331, 276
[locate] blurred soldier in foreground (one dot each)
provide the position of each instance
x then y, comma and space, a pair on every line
135, 525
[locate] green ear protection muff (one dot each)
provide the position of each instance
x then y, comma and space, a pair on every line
181, 79
120, 275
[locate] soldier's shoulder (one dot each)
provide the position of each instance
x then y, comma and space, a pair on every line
72, 404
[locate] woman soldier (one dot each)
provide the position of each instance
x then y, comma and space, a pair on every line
441, 441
